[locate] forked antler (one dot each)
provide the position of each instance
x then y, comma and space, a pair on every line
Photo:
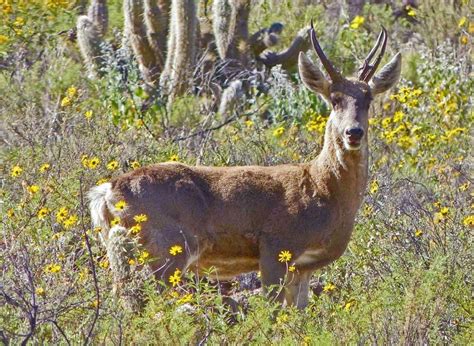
367, 70
331, 70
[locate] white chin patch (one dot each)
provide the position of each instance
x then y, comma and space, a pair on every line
349, 146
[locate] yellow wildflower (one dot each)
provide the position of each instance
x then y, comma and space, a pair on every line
71, 91
411, 11
357, 22
40, 291
282, 318
349, 305
278, 132
249, 123
468, 221
140, 218
175, 278
132, 262
11, 213
16, 171
115, 221
144, 256
374, 186
93, 163
174, 158
104, 264
44, 167
176, 249
112, 165
33, 189
42, 213
70, 221
329, 287
85, 160
3, 39
284, 256
52, 268
185, 299
462, 22
88, 115
291, 269
464, 39
135, 164
62, 214
65, 102
120, 205
136, 229
101, 181
418, 233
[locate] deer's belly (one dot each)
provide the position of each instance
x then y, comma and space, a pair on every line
226, 267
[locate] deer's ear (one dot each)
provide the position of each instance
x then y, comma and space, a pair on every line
388, 76
312, 76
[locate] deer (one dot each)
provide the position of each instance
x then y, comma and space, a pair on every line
239, 219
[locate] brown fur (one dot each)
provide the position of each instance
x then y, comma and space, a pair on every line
238, 219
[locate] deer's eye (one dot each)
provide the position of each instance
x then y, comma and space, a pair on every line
336, 100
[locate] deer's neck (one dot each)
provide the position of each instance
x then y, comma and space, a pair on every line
341, 173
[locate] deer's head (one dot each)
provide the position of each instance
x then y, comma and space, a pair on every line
350, 97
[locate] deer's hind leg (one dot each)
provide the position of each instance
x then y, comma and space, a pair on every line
297, 289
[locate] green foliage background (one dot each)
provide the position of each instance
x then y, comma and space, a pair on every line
407, 274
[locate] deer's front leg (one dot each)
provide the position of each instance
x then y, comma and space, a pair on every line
297, 289
273, 272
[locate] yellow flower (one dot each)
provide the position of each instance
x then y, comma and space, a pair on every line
349, 305
71, 221
135, 164
140, 218
52, 268
291, 269
284, 256
66, 101
411, 11
88, 115
185, 299
136, 229
42, 213
97, 229
132, 262
418, 233
282, 318
71, 91
112, 165
101, 181
10, 213
468, 221
104, 264
398, 116
115, 221
444, 211
3, 39
143, 257
93, 163
278, 132
357, 22
85, 160
462, 22
329, 287
44, 167
19, 22
464, 39
175, 278
33, 189
120, 205
62, 214
249, 123
40, 291
174, 157
16, 171
374, 186
176, 249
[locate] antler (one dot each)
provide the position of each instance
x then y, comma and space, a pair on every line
367, 70
331, 70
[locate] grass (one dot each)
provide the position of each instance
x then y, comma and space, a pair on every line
405, 277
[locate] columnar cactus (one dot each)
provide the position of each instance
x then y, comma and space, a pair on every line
177, 76
99, 15
90, 41
156, 23
137, 36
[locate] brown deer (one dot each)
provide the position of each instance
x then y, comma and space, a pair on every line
239, 219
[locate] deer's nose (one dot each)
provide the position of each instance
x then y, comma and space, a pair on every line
355, 133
